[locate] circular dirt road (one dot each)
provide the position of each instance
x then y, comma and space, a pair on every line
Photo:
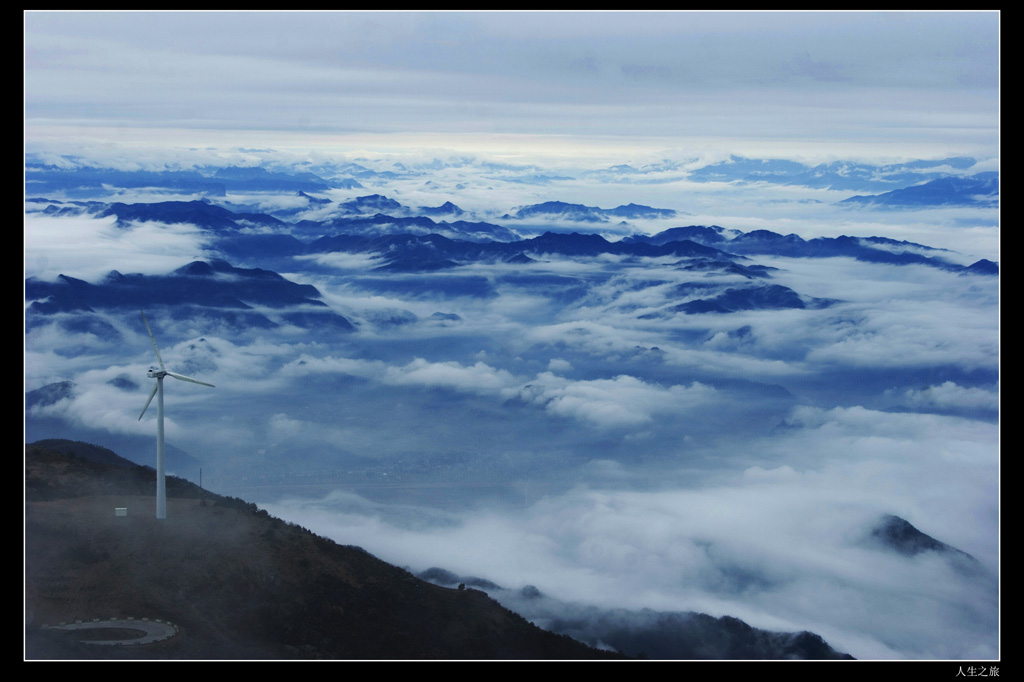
146, 631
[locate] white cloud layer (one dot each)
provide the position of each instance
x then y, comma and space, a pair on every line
786, 547
97, 245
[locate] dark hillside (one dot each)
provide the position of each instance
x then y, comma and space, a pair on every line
237, 582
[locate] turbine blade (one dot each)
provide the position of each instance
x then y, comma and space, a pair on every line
185, 378
153, 339
148, 401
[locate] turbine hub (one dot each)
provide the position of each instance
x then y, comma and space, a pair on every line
156, 373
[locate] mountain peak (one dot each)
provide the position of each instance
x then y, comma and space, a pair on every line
371, 203
897, 533
196, 269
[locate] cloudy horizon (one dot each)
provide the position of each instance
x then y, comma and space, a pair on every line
825, 84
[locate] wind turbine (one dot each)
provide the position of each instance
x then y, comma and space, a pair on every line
158, 390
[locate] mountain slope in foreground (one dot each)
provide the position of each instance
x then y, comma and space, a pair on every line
236, 582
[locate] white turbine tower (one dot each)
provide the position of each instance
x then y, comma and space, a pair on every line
158, 390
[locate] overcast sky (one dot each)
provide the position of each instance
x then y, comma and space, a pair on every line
819, 83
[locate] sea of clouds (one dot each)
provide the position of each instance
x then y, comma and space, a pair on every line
572, 433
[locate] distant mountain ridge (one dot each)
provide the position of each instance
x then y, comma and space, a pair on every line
199, 212
466, 241
210, 181
216, 284
362, 215
432, 248
235, 292
981, 190
74, 179
766, 242
835, 175
645, 633
561, 210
